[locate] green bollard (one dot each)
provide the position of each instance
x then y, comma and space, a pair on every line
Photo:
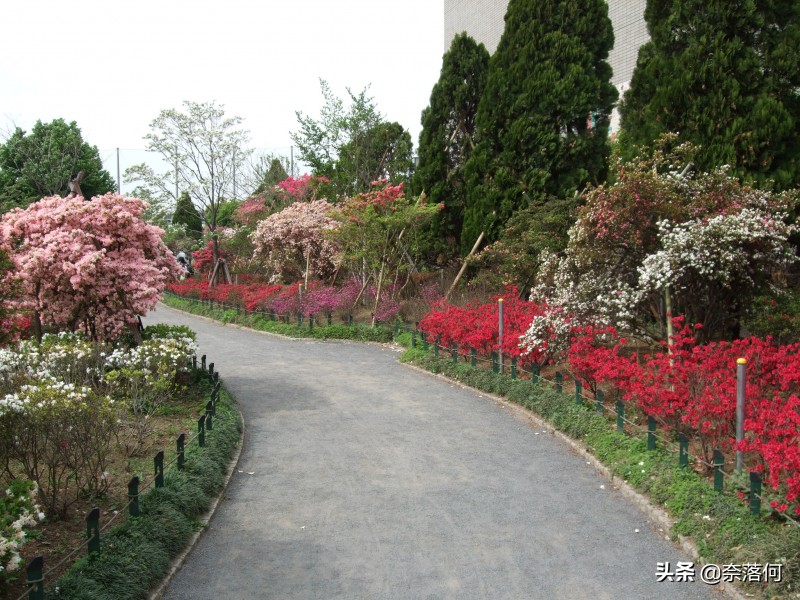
454, 353
158, 463
201, 431
651, 433
180, 446
495, 363
598, 402
35, 579
755, 493
559, 382
514, 368
578, 392
93, 532
620, 416
133, 497
719, 476
473, 357
683, 450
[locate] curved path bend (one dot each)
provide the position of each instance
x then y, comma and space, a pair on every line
362, 478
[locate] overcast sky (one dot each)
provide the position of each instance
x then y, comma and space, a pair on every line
112, 66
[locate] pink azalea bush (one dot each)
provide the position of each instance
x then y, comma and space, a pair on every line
86, 265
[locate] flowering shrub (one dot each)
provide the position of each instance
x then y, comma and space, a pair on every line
293, 243
692, 388
711, 241
58, 434
91, 265
476, 325
18, 511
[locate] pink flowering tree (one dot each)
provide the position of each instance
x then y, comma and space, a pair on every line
293, 243
86, 265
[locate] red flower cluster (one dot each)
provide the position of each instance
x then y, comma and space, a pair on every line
252, 296
477, 325
692, 388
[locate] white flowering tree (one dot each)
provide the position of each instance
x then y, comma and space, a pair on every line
293, 243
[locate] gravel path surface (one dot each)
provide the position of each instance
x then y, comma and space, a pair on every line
362, 478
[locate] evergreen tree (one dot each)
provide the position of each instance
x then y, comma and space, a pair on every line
544, 114
724, 75
186, 214
448, 134
42, 163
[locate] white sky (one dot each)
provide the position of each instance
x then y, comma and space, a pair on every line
111, 66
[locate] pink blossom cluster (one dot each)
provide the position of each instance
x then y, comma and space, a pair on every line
92, 265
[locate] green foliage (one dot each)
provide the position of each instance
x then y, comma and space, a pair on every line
353, 147
186, 214
776, 315
269, 177
725, 76
448, 135
547, 81
43, 162
514, 259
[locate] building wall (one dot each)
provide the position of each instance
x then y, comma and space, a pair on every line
484, 21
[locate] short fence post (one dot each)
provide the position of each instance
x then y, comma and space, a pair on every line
181, 449
349, 319
755, 493
194, 361
330, 319
514, 368
495, 365
396, 326
719, 476
683, 450
271, 314
598, 401
203, 359
133, 497
436, 347
93, 531
211, 408
578, 392
209, 415
35, 579
414, 338
158, 463
473, 356
211, 369
424, 337
454, 353
651, 433
620, 416
311, 322
201, 431
559, 382
534, 373
299, 319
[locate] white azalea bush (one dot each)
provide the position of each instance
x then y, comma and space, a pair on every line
706, 242
144, 378
19, 512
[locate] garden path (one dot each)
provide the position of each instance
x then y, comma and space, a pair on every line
362, 478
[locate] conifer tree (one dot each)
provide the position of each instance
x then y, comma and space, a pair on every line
186, 214
448, 134
724, 75
544, 114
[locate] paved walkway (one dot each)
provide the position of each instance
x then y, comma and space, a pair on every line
362, 478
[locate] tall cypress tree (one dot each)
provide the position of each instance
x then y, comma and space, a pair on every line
544, 114
448, 134
724, 75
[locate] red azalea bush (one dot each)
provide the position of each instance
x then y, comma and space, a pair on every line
692, 388
476, 325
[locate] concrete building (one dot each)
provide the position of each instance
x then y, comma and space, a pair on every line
484, 21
